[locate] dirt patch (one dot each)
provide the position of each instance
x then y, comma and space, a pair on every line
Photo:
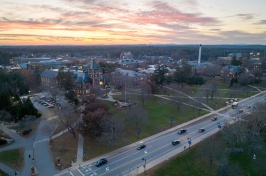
65, 148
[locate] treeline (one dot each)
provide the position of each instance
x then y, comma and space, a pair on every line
12, 108
189, 52
5, 56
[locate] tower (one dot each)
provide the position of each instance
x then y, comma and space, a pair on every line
199, 59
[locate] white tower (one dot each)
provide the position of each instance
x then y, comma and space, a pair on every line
199, 59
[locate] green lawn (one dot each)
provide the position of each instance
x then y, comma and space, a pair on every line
2, 173
185, 164
13, 158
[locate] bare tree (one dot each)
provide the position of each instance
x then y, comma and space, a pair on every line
207, 94
138, 114
256, 124
112, 130
66, 119
145, 91
210, 149
235, 135
94, 117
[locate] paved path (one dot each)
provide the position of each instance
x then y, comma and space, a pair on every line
80, 149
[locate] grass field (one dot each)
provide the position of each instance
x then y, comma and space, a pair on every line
13, 158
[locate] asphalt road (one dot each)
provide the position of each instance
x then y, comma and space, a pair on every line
161, 148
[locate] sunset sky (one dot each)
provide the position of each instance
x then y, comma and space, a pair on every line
88, 22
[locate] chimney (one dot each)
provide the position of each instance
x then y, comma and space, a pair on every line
199, 59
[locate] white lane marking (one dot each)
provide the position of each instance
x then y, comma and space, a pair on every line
107, 168
42, 140
145, 151
80, 172
71, 174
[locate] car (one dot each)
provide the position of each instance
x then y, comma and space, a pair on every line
248, 106
201, 130
26, 132
181, 131
214, 118
141, 146
101, 162
175, 142
240, 110
51, 106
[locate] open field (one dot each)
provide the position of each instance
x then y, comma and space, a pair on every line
13, 158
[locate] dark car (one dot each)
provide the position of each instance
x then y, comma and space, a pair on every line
101, 162
181, 131
175, 142
141, 146
201, 130
214, 118
26, 132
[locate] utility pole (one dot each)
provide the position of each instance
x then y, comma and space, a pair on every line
125, 92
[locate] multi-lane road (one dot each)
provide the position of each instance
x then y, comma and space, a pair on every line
158, 149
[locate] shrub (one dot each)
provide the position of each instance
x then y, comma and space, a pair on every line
2, 141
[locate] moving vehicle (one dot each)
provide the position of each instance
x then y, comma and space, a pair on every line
214, 118
234, 105
175, 142
141, 146
181, 131
101, 162
201, 130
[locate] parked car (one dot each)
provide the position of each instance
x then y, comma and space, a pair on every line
201, 130
26, 132
141, 146
240, 110
175, 142
214, 118
248, 106
181, 131
101, 162
51, 106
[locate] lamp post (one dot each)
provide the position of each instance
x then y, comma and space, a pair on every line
144, 159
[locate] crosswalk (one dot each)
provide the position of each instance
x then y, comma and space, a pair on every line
42, 140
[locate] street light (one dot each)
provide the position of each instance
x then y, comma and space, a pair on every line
144, 159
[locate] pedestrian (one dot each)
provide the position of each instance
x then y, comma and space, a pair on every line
184, 147
29, 156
